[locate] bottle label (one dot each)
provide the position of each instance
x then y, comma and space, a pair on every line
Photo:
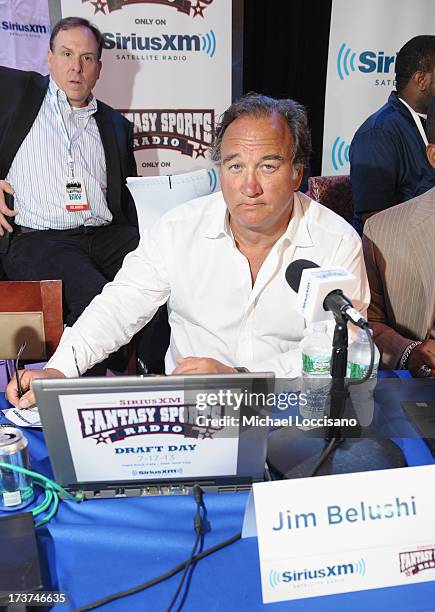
359, 370
316, 365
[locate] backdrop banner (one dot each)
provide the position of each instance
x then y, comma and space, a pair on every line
167, 68
24, 34
364, 40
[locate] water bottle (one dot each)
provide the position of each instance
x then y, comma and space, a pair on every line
358, 357
358, 361
316, 349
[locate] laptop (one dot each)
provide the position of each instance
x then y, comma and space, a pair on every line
131, 436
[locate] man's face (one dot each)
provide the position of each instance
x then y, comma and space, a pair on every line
258, 178
74, 64
431, 87
430, 152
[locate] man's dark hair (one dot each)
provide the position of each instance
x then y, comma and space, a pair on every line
417, 54
257, 105
68, 23
430, 124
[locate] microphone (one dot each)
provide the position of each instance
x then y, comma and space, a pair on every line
321, 291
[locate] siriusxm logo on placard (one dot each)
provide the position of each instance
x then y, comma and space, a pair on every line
367, 62
339, 153
166, 42
34, 28
307, 575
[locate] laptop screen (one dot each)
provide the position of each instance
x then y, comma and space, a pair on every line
128, 430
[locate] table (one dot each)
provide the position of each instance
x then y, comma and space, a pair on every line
96, 548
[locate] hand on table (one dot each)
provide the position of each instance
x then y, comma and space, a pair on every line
26, 378
423, 354
201, 365
5, 211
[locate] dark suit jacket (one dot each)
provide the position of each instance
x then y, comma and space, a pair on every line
21, 97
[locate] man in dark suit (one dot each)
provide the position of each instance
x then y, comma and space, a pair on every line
388, 163
399, 251
65, 157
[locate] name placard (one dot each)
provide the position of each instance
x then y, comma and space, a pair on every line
350, 532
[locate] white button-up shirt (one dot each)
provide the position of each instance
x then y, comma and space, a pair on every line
40, 168
189, 257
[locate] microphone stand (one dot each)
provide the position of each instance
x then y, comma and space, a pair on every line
339, 392
292, 453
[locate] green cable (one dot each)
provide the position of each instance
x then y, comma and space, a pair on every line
44, 504
51, 513
51, 489
44, 479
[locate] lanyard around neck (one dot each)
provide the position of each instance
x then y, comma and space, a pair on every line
417, 121
61, 122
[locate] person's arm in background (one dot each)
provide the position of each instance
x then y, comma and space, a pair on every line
374, 171
391, 344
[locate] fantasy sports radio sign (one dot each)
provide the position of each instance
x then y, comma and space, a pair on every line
188, 131
146, 434
167, 66
363, 44
112, 424
195, 9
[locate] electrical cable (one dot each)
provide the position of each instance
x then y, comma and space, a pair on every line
198, 526
184, 574
43, 479
51, 513
46, 503
52, 491
161, 578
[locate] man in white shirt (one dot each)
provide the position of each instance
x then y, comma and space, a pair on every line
220, 261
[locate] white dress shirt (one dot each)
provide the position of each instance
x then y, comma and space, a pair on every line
189, 257
40, 168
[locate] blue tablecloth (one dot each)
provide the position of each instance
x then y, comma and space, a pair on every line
96, 548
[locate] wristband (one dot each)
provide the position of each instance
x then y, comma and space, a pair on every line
403, 363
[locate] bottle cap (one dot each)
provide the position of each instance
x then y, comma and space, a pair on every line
362, 336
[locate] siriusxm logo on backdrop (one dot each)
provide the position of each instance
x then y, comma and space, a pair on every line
367, 62
339, 153
31, 28
308, 575
166, 42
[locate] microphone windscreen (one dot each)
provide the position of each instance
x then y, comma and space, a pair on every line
294, 272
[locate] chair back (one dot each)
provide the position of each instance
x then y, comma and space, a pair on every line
334, 192
155, 195
30, 312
